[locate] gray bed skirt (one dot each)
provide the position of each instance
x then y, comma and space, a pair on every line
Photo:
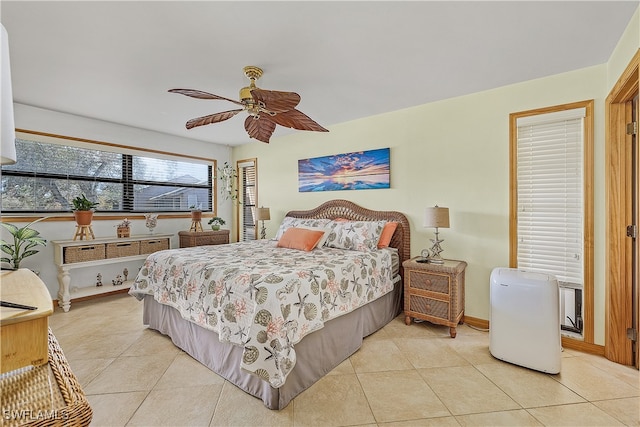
317, 353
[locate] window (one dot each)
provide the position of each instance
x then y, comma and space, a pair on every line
247, 171
551, 208
48, 175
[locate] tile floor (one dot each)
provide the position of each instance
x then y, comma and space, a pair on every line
402, 376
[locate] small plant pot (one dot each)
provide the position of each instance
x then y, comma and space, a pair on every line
215, 227
196, 215
83, 217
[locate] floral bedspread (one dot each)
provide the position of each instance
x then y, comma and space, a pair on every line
261, 297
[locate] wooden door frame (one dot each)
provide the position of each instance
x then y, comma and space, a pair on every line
618, 259
587, 342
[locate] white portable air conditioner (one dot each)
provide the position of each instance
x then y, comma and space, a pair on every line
524, 325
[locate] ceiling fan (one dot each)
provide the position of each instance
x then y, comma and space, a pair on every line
266, 108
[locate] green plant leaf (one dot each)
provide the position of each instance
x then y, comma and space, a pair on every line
12, 228
24, 239
27, 233
28, 253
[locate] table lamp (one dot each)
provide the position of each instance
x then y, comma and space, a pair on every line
263, 215
436, 217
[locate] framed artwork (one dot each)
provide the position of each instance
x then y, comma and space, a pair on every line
360, 170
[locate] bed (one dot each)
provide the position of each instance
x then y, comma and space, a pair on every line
268, 333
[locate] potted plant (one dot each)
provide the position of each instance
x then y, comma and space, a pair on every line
216, 222
25, 239
83, 210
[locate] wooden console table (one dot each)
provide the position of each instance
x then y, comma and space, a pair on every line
70, 254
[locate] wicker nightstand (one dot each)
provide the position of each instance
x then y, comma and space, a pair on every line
434, 292
201, 238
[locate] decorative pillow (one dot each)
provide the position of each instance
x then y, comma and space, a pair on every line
387, 234
300, 238
325, 233
289, 222
355, 235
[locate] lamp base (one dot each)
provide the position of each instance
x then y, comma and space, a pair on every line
263, 232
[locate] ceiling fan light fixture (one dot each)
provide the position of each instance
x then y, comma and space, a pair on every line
279, 109
252, 72
245, 94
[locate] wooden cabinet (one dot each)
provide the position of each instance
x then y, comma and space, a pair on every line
23, 333
434, 292
70, 254
189, 239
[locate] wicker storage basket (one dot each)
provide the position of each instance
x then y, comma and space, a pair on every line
83, 253
189, 239
47, 395
122, 249
153, 245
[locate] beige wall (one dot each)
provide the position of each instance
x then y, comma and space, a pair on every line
626, 47
452, 153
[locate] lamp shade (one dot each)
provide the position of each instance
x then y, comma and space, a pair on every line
7, 126
436, 217
263, 214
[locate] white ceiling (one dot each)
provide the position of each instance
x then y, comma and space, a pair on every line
115, 61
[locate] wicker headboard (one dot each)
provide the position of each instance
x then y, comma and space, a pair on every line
333, 209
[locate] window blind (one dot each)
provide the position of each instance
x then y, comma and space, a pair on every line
550, 193
48, 175
249, 182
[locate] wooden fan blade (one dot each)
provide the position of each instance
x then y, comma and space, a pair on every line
260, 128
297, 120
212, 118
276, 101
202, 95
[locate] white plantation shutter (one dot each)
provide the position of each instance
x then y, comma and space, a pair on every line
550, 192
249, 183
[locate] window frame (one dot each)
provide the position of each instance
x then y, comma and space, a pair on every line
588, 187
126, 150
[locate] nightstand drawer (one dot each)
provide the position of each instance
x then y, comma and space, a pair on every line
429, 307
429, 282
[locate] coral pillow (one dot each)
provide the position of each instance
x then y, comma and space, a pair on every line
387, 234
300, 239
325, 233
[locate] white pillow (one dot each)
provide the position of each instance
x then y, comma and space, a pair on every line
288, 222
355, 235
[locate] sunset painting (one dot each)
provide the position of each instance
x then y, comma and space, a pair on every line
351, 171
